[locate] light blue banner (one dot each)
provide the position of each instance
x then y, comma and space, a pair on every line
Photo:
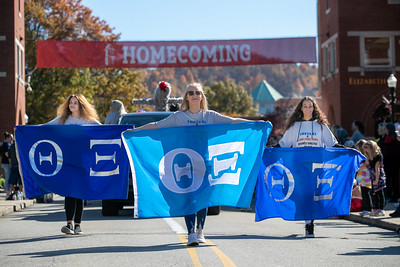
179, 171
86, 162
306, 183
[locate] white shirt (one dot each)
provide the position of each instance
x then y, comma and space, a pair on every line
308, 134
71, 121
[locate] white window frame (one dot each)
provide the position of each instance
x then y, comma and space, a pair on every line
19, 60
329, 57
363, 67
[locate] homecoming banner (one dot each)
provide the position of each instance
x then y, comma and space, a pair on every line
86, 162
174, 54
306, 183
181, 170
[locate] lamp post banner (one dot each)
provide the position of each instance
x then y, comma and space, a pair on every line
168, 54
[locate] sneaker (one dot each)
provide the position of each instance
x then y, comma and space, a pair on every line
78, 230
375, 212
395, 214
381, 213
365, 213
192, 240
310, 230
200, 236
67, 229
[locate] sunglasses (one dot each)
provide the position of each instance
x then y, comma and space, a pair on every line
191, 93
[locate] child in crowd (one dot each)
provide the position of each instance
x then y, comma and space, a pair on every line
375, 158
364, 180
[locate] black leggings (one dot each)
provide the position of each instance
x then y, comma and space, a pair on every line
379, 200
74, 209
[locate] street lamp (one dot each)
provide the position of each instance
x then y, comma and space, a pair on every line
391, 81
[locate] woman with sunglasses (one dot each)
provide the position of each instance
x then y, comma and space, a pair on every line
194, 111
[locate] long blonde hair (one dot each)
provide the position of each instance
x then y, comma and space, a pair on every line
203, 102
86, 110
371, 149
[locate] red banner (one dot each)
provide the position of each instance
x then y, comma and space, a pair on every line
163, 54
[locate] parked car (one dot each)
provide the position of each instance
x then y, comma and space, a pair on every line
111, 207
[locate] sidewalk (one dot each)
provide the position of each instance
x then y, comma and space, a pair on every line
387, 222
8, 206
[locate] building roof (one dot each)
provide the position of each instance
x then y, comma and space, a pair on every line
265, 92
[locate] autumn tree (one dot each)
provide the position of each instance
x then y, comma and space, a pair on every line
70, 20
230, 99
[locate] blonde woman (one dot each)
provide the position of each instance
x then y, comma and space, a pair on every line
194, 111
76, 110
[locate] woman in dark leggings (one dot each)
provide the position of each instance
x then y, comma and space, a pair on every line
76, 110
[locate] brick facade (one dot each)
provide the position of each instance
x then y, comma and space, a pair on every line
351, 85
12, 65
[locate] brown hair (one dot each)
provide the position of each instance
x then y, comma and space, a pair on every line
203, 102
86, 110
297, 114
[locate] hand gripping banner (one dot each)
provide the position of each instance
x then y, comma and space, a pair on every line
85, 162
181, 170
306, 183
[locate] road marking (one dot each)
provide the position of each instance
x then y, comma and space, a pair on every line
226, 261
178, 229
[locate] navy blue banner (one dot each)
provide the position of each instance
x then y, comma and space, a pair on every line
86, 162
306, 183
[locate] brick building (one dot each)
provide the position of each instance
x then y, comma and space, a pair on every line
12, 64
359, 47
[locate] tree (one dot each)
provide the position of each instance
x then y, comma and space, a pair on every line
230, 99
70, 20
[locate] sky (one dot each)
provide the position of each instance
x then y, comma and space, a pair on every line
179, 20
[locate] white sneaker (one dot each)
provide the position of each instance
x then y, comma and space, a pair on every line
192, 240
200, 236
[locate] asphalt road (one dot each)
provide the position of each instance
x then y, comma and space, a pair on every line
32, 237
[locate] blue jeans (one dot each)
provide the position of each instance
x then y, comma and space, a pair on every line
7, 171
190, 220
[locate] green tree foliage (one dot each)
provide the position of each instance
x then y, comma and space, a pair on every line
70, 20
230, 99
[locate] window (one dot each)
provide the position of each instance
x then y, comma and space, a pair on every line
377, 51
332, 57
329, 67
19, 62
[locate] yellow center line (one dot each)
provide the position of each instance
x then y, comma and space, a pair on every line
191, 251
226, 261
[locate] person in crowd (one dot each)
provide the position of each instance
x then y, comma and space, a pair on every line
307, 126
381, 134
334, 130
5, 161
194, 111
373, 153
391, 160
15, 178
363, 178
358, 131
117, 109
76, 110
341, 136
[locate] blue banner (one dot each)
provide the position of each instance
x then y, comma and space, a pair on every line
86, 162
181, 170
306, 183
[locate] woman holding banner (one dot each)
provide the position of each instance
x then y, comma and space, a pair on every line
307, 126
194, 111
76, 110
